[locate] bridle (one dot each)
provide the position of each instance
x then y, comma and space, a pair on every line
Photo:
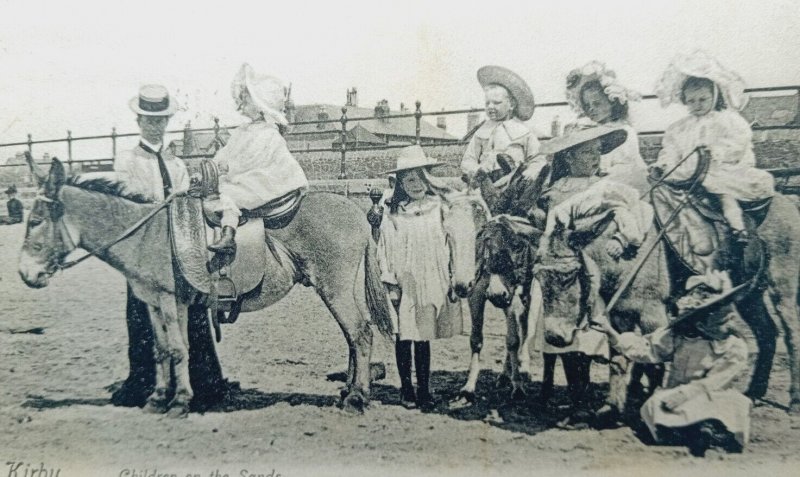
572, 269
63, 238
478, 206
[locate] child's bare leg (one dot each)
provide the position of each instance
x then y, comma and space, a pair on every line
732, 212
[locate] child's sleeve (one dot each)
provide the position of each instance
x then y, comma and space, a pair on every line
726, 367
469, 163
657, 347
734, 143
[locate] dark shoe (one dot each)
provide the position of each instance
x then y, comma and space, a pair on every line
407, 398
426, 401
226, 243
741, 237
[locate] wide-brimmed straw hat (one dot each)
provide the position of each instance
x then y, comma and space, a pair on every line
597, 71
708, 301
268, 93
515, 85
610, 138
153, 100
413, 157
700, 65
12, 189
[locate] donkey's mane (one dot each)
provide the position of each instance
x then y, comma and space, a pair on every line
106, 186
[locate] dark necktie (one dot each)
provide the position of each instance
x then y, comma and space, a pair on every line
162, 168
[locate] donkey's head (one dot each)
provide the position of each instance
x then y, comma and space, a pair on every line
47, 240
466, 216
570, 281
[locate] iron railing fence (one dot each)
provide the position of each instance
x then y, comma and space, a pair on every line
343, 121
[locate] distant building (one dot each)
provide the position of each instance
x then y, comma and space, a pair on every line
199, 144
376, 127
781, 110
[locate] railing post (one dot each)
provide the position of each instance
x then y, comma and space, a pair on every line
30, 144
114, 143
216, 135
418, 118
342, 171
69, 151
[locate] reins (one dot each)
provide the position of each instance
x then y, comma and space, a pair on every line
125, 234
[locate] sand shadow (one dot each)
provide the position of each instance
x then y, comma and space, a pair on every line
493, 404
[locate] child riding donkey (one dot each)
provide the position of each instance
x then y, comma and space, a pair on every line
256, 166
713, 95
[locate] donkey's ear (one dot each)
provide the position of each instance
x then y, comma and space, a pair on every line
55, 179
37, 172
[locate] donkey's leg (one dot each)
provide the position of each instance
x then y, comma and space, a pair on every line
177, 318
754, 312
157, 401
514, 340
786, 298
477, 305
347, 303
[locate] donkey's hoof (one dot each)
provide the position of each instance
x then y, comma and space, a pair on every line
607, 417
178, 410
155, 406
355, 402
467, 396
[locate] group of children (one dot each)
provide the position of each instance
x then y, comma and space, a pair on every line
697, 405
706, 355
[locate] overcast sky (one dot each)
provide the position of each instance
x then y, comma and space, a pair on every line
74, 65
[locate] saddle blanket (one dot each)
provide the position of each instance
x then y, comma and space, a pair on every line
189, 235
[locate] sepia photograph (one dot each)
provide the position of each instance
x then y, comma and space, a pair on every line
399, 238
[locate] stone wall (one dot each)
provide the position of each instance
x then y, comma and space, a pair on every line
773, 148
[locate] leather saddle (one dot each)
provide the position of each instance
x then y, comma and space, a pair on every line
699, 234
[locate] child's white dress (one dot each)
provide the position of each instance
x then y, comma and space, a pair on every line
700, 367
413, 254
733, 166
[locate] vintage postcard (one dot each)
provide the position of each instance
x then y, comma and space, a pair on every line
399, 238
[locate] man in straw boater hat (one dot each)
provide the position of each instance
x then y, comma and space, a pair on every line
698, 406
503, 141
152, 171
14, 206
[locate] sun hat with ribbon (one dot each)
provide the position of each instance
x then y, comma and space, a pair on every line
597, 71
153, 100
701, 65
515, 85
268, 93
413, 157
610, 138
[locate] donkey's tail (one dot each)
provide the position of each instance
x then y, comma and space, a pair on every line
377, 301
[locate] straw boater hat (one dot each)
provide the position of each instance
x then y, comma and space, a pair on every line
12, 189
515, 85
413, 157
597, 71
153, 100
610, 138
267, 92
701, 65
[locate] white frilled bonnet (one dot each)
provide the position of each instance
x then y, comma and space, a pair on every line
701, 65
267, 92
597, 71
